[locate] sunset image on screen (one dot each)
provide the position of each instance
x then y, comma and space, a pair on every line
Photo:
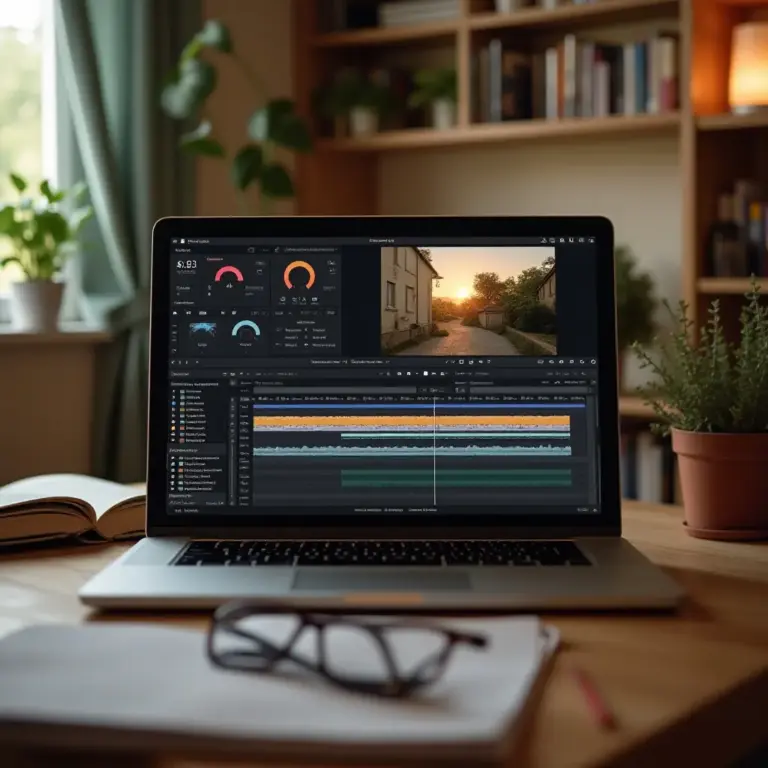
468, 301
463, 293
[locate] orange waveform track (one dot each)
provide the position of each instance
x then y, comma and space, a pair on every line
409, 421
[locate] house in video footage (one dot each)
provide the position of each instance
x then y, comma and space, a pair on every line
491, 318
406, 295
547, 288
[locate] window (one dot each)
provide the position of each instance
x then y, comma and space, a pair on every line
391, 303
410, 299
27, 101
410, 260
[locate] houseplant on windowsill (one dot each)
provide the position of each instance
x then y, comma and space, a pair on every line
436, 88
41, 237
635, 305
713, 398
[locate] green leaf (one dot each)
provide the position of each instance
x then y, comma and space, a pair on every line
200, 142
263, 120
278, 122
275, 181
182, 97
7, 220
18, 182
215, 35
191, 50
247, 166
78, 218
54, 224
8, 260
79, 191
50, 195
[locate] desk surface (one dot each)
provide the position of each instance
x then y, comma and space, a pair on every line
677, 683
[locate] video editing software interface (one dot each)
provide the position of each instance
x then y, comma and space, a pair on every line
383, 376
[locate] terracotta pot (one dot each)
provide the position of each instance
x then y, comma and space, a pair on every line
724, 482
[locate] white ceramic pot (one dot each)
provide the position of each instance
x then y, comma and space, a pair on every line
363, 121
35, 305
443, 114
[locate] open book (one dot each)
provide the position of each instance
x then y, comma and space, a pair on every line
69, 506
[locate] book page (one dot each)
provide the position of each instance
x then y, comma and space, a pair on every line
99, 494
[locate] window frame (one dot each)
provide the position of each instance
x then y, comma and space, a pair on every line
50, 87
393, 304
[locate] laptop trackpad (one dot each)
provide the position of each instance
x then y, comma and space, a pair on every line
384, 580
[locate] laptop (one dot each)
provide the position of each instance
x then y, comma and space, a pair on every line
407, 413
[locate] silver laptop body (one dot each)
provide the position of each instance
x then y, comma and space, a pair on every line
383, 413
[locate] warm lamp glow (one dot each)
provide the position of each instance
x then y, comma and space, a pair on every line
748, 86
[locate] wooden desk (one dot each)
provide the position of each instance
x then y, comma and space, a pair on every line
688, 690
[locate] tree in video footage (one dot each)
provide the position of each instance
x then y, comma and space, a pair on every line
476, 301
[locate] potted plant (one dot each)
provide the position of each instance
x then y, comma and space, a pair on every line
370, 102
274, 126
41, 239
354, 103
635, 305
713, 398
436, 88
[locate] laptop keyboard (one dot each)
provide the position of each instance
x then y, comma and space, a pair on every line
441, 553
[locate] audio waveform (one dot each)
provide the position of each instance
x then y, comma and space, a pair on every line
468, 435
456, 478
427, 450
347, 423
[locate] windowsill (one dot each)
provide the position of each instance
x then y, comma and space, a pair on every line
68, 333
390, 309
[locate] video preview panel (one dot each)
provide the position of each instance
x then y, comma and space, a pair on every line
468, 301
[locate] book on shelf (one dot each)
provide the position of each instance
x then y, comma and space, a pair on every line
417, 12
77, 507
341, 15
737, 241
576, 78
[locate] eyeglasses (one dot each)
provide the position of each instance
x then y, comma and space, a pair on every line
383, 658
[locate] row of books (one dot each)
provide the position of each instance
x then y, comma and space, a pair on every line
411, 12
648, 471
338, 15
737, 243
576, 78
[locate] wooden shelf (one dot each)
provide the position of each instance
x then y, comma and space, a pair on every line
729, 122
729, 285
523, 130
387, 35
634, 407
602, 10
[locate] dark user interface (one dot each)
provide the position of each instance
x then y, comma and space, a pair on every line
382, 376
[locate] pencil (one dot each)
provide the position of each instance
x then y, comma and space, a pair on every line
597, 705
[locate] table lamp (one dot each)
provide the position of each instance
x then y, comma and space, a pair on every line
748, 83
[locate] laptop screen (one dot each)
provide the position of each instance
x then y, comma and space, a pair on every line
389, 376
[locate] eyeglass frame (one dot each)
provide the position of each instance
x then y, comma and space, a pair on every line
226, 617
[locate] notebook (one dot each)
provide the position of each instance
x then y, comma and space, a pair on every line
148, 687
77, 507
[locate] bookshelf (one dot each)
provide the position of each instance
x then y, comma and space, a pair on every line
716, 147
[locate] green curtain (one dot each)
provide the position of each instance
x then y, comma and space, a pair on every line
113, 56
